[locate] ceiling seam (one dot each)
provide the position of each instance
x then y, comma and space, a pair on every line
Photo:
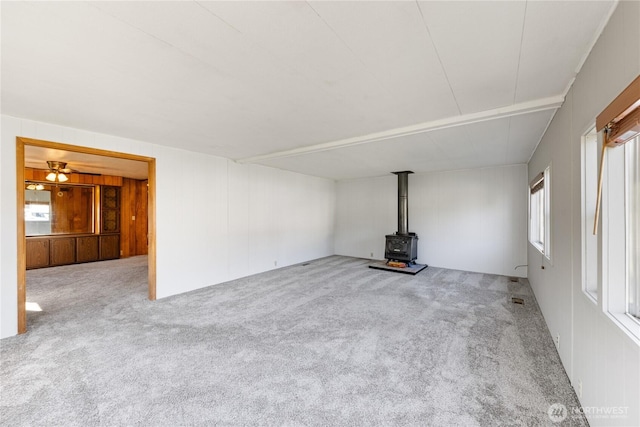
281, 62
212, 13
524, 21
131, 25
446, 76
346, 45
206, 64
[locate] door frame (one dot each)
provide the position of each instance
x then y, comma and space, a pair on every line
21, 142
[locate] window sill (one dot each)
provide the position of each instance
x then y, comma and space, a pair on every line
538, 245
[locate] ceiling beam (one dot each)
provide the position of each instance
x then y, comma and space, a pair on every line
551, 103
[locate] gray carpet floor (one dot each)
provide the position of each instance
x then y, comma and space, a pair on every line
328, 343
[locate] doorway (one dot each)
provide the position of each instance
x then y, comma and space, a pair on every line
23, 143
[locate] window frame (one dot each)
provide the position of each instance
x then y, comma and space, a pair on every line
619, 125
632, 148
543, 214
590, 157
613, 247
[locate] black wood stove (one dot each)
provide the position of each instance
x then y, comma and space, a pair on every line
402, 246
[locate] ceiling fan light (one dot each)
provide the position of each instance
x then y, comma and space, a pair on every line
51, 177
62, 177
35, 186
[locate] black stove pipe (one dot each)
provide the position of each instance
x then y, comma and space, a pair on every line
403, 202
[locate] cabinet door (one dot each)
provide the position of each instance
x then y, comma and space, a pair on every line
63, 250
110, 246
87, 249
37, 253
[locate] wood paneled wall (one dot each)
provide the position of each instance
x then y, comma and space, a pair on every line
134, 220
74, 178
133, 213
71, 210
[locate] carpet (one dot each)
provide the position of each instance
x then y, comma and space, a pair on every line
332, 342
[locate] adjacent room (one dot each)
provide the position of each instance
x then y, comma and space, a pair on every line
320, 213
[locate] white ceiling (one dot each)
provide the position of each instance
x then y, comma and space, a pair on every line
334, 89
85, 163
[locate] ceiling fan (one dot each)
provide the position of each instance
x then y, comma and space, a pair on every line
58, 171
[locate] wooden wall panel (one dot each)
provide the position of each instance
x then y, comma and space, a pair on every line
142, 222
74, 178
134, 218
127, 232
71, 209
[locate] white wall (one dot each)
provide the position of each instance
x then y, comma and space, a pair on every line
593, 349
472, 220
216, 220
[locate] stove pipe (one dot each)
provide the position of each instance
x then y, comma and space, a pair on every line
403, 202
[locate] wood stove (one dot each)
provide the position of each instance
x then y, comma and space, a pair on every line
401, 248
403, 245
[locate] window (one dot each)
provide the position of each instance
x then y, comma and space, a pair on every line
589, 191
37, 219
539, 208
620, 224
619, 244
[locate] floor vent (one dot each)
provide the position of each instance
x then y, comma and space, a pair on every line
516, 300
513, 279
